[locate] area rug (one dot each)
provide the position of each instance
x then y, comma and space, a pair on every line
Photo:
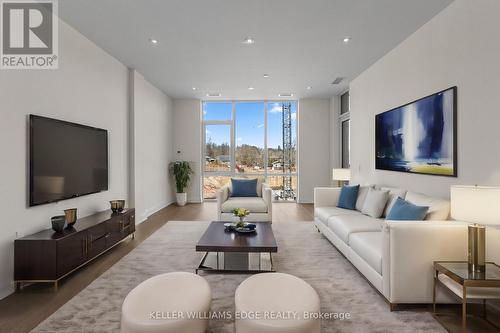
303, 252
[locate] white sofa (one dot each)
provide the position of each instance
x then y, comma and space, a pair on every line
396, 257
260, 207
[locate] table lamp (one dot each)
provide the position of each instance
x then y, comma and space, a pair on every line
341, 175
481, 206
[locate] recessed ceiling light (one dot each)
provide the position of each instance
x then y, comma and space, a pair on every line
194, 88
214, 95
266, 75
248, 40
251, 88
153, 41
309, 88
285, 95
346, 39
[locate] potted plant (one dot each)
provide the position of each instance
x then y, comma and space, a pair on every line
182, 173
241, 213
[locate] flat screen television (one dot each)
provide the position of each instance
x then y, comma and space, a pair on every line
419, 137
67, 160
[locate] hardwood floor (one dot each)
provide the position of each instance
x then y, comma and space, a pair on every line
24, 310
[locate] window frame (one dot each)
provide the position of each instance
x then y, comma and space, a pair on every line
232, 123
344, 116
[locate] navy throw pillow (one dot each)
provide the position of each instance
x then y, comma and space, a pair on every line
244, 187
403, 210
348, 197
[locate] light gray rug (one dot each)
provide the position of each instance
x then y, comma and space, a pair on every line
303, 252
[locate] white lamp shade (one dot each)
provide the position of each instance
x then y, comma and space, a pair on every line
341, 174
476, 204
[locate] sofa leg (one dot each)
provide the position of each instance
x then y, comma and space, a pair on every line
393, 306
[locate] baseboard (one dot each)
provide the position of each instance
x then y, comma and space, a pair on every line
305, 201
143, 217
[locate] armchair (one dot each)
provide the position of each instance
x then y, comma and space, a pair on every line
260, 207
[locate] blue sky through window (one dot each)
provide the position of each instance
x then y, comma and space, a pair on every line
250, 124
249, 127
217, 111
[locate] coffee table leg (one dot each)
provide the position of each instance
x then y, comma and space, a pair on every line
434, 291
484, 308
464, 309
202, 262
271, 259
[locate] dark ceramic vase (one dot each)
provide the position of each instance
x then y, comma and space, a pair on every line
58, 223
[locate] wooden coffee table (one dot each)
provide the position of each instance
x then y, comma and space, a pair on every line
233, 252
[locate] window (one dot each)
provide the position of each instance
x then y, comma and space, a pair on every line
217, 148
250, 136
217, 111
345, 103
345, 129
256, 138
218, 143
346, 162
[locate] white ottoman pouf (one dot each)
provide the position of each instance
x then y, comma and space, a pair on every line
266, 303
166, 303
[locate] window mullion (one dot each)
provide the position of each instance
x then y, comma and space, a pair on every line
266, 156
233, 139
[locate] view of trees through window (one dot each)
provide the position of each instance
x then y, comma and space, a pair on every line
250, 139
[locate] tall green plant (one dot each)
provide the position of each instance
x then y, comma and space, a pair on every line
182, 172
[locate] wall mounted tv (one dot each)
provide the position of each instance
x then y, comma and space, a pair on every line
67, 160
419, 137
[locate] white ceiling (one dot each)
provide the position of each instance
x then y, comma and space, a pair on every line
297, 42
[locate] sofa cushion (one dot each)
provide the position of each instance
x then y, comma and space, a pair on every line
324, 213
260, 182
368, 245
344, 225
363, 191
348, 197
253, 204
375, 202
404, 210
439, 209
244, 187
394, 194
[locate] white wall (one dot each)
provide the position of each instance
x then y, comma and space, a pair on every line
314, 146
90, 87
187, 141
153, 132
458, 47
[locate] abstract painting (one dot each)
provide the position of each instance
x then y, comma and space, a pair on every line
419, 137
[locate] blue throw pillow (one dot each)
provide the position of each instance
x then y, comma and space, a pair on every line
244, 187
403, 210
348, 197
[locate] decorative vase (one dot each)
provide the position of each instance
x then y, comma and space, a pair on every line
181, 199
70, 215
117, 205
58, 223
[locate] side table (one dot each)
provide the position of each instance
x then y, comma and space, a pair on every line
455, 276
